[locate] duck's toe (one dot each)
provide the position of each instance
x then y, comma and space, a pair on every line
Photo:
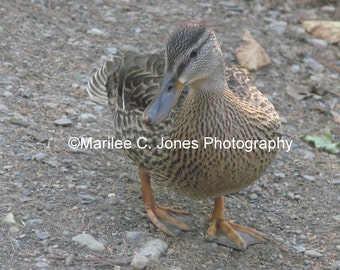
164, 220
227, 233
162, 217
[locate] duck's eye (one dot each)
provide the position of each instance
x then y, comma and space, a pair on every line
193, 53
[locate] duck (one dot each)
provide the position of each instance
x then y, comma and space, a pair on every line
187, 97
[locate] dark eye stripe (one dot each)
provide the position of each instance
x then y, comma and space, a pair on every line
183, 64
193, 53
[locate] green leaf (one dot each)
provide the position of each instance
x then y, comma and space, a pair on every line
324, 142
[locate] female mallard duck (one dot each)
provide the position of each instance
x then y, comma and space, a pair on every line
199, 98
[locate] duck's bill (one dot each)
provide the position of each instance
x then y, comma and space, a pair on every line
161, 105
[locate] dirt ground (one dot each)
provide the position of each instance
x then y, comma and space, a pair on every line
48, 50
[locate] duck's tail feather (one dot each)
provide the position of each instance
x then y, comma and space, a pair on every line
97, 86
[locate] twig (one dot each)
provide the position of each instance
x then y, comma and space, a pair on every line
325, 62
104, 261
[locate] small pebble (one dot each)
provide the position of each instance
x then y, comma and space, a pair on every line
307, 262
111, 195
334, 76
293, 216
280, 175
69, 260
278, 187
336, 182
42, 265
8, 219
42, 235
20, 120
53, 163
193, 247
112, 50
95, 31
128, 47
26, 192
71, 112
214, 245
139, 261
308, 154
253, 196
303, 237
274, 73
63, 122
136, 235
283, 119
313, 64
40, 156
87, 116
295, 68
13, 230
51, 105
25, 156
35, 221
7, 167
279, 239
278, 26
7, 94
154, 249
317, 42
317, 77
70, 186
300, 249
75, 85
86, 197
89, 241
328, 9
290, 195
256, 189
309, 178
337, 218
336, 265
83, 187
298, 232
313, 253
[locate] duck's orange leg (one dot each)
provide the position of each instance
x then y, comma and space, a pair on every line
160, 216
230, 234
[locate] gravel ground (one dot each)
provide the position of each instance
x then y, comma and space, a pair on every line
51, 195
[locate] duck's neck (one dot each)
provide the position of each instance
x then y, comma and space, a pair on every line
212, 85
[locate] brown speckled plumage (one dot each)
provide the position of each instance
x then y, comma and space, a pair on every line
239, 111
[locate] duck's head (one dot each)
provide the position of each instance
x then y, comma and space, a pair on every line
192, 56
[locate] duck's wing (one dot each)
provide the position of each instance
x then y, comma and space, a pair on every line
127, 83
243, 86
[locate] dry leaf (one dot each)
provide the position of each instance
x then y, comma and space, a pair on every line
298, 92
326, 30
251, 55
